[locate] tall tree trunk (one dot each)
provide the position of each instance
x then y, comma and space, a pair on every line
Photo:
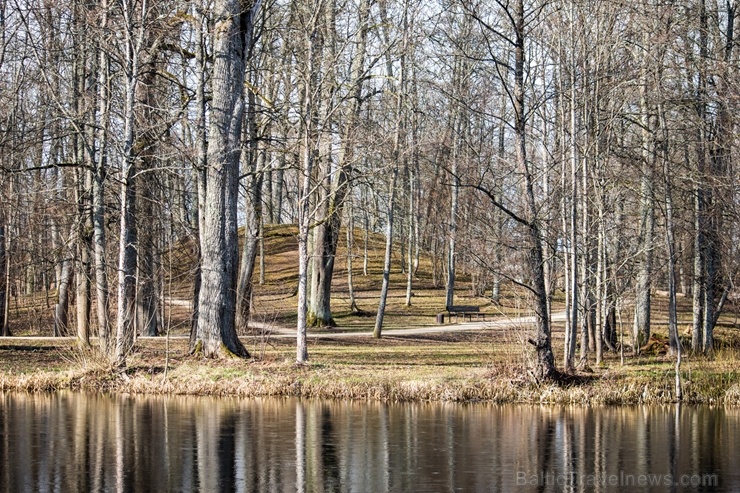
410, 237
84, 156
148, 259
303, 238
673, 336
5, 327
698, 261
699, 282
327, 233
127, 247
3, 278
98, 193
200, 171
395, 155
254, 160
252, 236
365, 235
350, 256
84, 246
309, 140
216, 330
378, 330
452, 232
641, 327
545, 369
146, 149
458, 128
717, 197
572, 329
600, 291
588, 318
602, 287
498, 216
61, 310
328, 217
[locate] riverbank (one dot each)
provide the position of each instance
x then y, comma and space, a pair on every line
455, 367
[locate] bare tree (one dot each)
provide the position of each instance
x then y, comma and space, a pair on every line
4, 331
517, 23
395, 157
216, 329
253, 158
310, 149
98, 185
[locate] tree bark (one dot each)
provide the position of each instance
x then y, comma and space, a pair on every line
327, 233
310, 151
145, 151
84, 245
254, 160
700, 220
200, 172
216, 330
98, 193
410, 237
378, 329
61, 310
127, 246
674, 340
148, 260
572, 328
252, 236
717, 197
641, 327
350, 230
545, 369
395, 156
3, 279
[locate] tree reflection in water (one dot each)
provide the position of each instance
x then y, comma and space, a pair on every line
78, 442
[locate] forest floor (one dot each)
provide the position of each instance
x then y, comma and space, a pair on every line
415, 360
462, 363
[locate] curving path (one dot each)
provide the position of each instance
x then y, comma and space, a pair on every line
499, 323
277, 331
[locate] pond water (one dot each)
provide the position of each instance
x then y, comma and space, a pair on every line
78, 442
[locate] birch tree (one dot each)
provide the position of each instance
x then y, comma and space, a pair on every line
310, 150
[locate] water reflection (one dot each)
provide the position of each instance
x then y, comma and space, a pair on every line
77, 442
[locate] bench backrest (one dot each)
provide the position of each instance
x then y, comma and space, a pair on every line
462, 308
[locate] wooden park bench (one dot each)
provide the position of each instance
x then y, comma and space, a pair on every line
465, 311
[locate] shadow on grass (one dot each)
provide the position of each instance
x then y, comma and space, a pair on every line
33, 349
570, 380
144, 369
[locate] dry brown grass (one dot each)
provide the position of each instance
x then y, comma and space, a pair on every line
491, 365
460, 367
